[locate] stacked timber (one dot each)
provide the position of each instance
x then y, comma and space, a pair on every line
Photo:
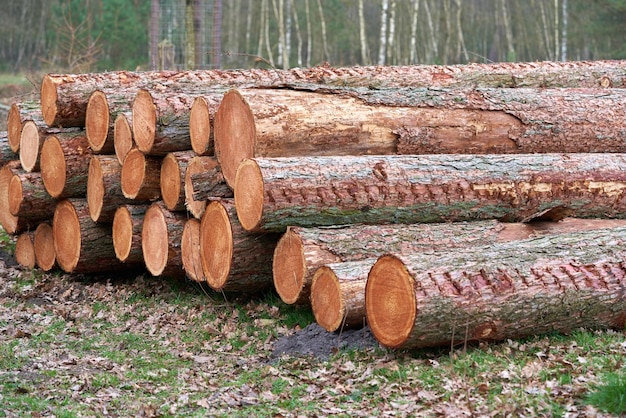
428, 201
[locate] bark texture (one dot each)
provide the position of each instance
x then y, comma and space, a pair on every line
28, 198
12, 224
19, 113
6, 153
208, 168
509, 290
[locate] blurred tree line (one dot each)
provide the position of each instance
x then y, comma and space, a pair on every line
97, 35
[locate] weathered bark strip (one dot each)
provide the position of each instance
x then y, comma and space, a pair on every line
28, 198
127, 226
123, 136
101, 114
273, 193
140, 176
161, 236
64, 164
25, 250
19, 113
301, 251
80, 244
104, 189
208, 177
201, 118
173, 169
12, 224
233, 260
190, 249
6, 153
509, 290
43, 243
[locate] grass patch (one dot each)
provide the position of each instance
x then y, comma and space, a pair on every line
610, 396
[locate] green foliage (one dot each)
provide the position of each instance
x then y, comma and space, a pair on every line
611, 395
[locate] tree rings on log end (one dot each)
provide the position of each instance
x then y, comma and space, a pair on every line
49, 97
14, 128
234, 134
154, 240
144, 120
122, 137
25, 250
326, 301
216, 245
200, 127
53, 167
289, 267
190, 250
16, 195
171, 181
126, 234
97, 120
9, 222
67, 235
390, 301
133, 173
29, 146
43, 242
95, 188
249, 194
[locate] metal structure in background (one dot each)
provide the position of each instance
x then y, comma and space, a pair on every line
185, 34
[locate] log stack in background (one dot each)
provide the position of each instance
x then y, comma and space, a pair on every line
437, 203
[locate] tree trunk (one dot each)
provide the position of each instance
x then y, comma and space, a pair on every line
161, 239
140, 177
6, 153
19, 113
31, 141
509, 290
337, 288
273, 193
64, 162
43, 242
127, 225
208, 169
123, 136
28, 198
12, 224
100, 116
190, 250
81, 245
25, 250
201, 119
284, 123
233, 260
172, 179
104, 189
209, 185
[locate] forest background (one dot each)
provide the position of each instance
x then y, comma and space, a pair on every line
100, 35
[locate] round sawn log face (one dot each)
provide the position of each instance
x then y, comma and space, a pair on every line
97, 120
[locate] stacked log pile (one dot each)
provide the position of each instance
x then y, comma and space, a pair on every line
437, 203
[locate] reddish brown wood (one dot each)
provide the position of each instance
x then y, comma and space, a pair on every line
123, 136
190, 250
28, 198
201, 119
19, 113
161, 236
127, 225
25, 250
173, 169
208, 168
101, 113
64, 164
11, 223
104, 190
141, 176
43, 243
31, 141
210, 185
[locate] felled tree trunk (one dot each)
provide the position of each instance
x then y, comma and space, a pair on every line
6, 153
101, 114
127, 226
19, 113
123, 136
25, 250
203, 182
201, 118
510, 290
64, 164
140, 177
356, 121
161, 235
31, 141
43, 242
233, 260
12, 224
104, 190
190, 250
273, 193
28, 198
173, 169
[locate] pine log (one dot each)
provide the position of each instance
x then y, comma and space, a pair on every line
141, 176
100, 116
233, 260
19, 113
32, 138
201, 118
12, 224
80, 244
509, 290
25, 250
337, 288
190, 250
173, 169
273, 193
104, 190
64, 164
6, 153
209, 170
43, 243
161, 236
28, 198
127, 226
123, 136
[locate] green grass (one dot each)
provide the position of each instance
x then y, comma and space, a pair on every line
610, 396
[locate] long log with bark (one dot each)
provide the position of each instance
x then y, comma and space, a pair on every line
19, 113
337, 288
510, 290
101, 114
32, 138
43, 242
64, 164
358, 121
273, 193
80, 244
12, 224
233, 260
104, 188
203, 182
161, 236
126, 235
6, 153
28, 198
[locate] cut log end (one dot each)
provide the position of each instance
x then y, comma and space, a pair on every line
25, 250
249, 194
123, 234
122, 137
216, 245
95, 189
45, 256
49, 97
133, 173
14, 127
97, 120
390, 301
144, 120
200, 126
9, 222
326, 302
67, 235
170, 181
289, 267
154, 240
190, 250
234, 134
16, 195
53, 167
29, 146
